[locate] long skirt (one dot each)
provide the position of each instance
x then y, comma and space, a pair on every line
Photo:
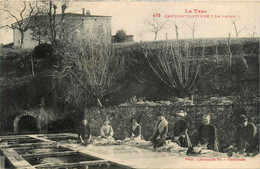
184, 141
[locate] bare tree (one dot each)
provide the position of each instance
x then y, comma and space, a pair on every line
238, 29
252, 31
39, 29
23, 17
251, 28
191, 26
156, 25
50, 26
177, 26
88, 69
177, 65
176, 31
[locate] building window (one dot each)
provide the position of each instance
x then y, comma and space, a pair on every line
100, 29
18, 41
94, 29
88, 28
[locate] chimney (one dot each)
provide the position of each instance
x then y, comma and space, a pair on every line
88, 12
83, 11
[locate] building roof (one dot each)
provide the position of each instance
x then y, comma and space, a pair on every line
74, 15
81, 15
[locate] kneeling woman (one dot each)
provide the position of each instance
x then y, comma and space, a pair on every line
106, 131
135, 130
84, 133
161, 129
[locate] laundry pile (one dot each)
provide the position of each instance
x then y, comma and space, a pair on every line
171, 147
103, 141
140, 143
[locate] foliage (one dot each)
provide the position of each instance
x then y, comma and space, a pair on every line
176, 65
120, 36
216, 79
142, 102
43, 50
88, 70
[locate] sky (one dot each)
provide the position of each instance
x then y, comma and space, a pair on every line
133, 16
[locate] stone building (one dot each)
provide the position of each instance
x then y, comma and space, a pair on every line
87, 26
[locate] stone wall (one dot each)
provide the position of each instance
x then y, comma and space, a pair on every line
224, 117
9, 121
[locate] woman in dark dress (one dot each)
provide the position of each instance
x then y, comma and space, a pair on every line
135, 130
180, 131
207, 135
84, 133
244, 140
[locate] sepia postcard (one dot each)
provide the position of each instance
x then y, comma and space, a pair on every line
129, 84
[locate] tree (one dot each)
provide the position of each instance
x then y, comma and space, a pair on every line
191, 26
156, 25
177, 26
120, 36
50, 26
23, 17
88, 70
251, 28
237, 28
39, 30
176, 31
176, 64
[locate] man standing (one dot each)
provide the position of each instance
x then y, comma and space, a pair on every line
207, 135
180, 131
84, 133
160, 133
245, 136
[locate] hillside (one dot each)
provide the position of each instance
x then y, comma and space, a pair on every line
18, 70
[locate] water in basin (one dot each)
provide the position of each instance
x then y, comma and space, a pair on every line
71, 158
39, 150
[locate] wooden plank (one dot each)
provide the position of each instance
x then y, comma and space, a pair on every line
13, 137
83, 163
40, 138
39, 146
27, 144
52, 154
15, 159
63, 135
2, 162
